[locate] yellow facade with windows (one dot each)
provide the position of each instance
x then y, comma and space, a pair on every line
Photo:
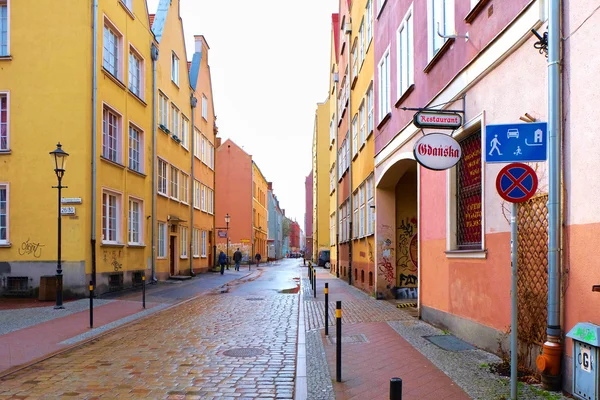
321, 180
260, 213
332, 146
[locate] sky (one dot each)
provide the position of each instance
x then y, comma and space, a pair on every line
269, 63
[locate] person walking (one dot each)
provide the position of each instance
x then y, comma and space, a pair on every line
222, 261
257, 257
237, 257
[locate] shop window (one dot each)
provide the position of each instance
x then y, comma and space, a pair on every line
468, 194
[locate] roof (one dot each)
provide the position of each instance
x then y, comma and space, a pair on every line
335, 21
194, 68
160, 18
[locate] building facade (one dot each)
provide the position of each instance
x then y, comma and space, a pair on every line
275, 231
308, 215
260, 214
321, 184
333, 140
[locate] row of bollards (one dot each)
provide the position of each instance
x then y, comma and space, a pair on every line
395, 383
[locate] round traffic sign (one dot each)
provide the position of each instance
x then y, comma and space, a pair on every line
516, 182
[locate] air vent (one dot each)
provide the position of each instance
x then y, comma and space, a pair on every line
17, 285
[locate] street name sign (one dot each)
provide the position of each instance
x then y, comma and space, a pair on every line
516, 182
440, 120
527, 142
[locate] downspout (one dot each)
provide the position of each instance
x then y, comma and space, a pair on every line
193, 103
351, 155
94, 131
549, 362
154, 55
337, 179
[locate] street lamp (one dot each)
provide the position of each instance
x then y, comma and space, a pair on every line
227, 219
59, 157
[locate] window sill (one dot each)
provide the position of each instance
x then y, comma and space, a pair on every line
137, 173
116, 164
136, 245
107, 244
354, 80
438, 55
355, 156
183, 258
113, 78
5, 152
406, 93
475, 11
5, 245
162, 195
204, 257
466, 254
369, 135
164, 129
385, 119
362, 145
5, 58
174, 83
174, 199
196, 257
138, 98
127, 10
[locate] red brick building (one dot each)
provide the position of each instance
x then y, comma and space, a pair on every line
294, 236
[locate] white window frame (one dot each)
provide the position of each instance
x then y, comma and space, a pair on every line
332, 229
163, 177
212, 156
371, 110
361, 43
196, 243
361, 212
370, 196
355, 135
203, 149
5, 41
203, 243
198, 144
406, 54
128, 4
183, 241
363, 124
175, 117
203, 198
138, 219
163, 110
211, 201
369, 24
380, 5
174, 183
137, 88
332, 130
384, 99
185, 132
174, 68
446, 26
133, 151
5, 125
106, 214
107, 150
184, 188
4, 212
355, 61
197, 186
204, 107
161, 248
355, 218
109, 59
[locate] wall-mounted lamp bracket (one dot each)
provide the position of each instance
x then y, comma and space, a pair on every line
454, 36
542, 44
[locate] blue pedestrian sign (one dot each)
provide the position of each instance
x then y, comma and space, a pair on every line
505, 143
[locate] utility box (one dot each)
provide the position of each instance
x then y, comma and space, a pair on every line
586, 343
47, 288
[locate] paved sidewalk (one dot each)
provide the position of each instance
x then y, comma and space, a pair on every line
380, 342
31, 334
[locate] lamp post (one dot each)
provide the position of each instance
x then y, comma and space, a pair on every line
227, 219
59, 157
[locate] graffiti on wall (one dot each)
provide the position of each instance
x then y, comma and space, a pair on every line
245, 248
385, 249
406, 261
113, 258
371, 258
29, 247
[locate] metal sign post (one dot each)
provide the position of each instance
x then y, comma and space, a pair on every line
515, 183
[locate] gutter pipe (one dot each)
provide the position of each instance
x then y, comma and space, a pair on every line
193, 103
154, 55
94, 132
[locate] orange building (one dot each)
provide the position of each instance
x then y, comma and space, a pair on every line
242, 194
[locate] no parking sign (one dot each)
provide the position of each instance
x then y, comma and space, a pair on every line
516, 182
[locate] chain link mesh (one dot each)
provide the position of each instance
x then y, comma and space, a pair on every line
468, 193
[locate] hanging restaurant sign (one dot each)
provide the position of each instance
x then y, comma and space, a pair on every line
437, 151
440, 120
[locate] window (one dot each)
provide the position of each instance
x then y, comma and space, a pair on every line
110, 215
203, 243
380, 4
111, 51
354, 62
174, 120
162, 177
162, 240
175, 68
369, 15
370, 207
361, 42
196, 194
362, 122
197, 143
370, 108
332, 179
384, 85
174, 183
129, 4
135, 73
355, 221
163, 110
135, 149
183, 240
3, 213
361, 212
110, 135
4, 28
405, 54
4, 145
332, 129
185, 131
468, 194
212, 156
211, 200
203, 204
440, 20
204, 107
135, 222
196, 243
185, 188
332, 229
355, 135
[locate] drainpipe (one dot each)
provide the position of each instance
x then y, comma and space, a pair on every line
94, 140
351, 155
337, 178
193, 103
549, 362
154, 55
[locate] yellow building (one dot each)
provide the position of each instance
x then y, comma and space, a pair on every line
332, 144
363, 144
321, 181
45, 94
260, 212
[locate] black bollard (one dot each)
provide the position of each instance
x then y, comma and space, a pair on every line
144, 291
338, 341
326, 291
91, 304
395, 389
314, 285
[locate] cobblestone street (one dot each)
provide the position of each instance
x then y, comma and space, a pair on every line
237, 344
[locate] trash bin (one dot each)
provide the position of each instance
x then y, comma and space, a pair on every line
47, 288
586, 339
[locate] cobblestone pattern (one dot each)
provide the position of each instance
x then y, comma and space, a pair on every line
318, 376
178, 354
469, 369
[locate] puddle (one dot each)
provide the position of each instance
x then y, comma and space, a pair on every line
290, 291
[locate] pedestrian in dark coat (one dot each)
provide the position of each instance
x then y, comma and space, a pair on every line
222, 261
237, 258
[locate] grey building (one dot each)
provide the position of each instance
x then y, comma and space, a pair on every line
275, 231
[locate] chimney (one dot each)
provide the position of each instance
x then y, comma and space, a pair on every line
270, 185
218, 142
198, 43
